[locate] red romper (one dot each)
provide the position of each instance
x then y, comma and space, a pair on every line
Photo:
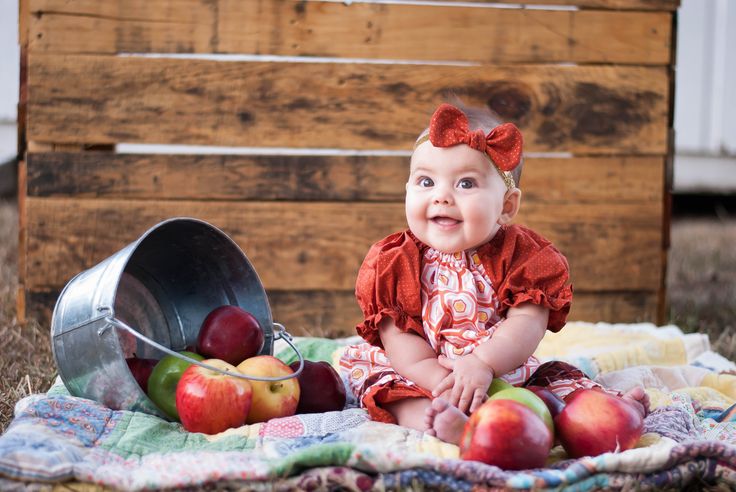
455, 302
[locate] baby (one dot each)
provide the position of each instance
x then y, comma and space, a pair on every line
463, 295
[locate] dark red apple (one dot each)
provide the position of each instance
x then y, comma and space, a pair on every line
141, 370
321, 388
230, 333
507, 434
554, 403
594, 422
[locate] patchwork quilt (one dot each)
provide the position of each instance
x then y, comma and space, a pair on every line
689, 440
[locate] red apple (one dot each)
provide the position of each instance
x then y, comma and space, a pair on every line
507, 434
554, 403
529, 399
230, 333
271, 399
141, 370
594, 422
321, 389
212, 402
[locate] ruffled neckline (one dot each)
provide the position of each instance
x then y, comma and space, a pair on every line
463, 259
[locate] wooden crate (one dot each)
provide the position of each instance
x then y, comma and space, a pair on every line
590, 87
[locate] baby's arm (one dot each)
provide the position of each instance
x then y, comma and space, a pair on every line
515, 339
411, 355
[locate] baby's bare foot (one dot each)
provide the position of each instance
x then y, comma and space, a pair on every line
639, 399
444, 421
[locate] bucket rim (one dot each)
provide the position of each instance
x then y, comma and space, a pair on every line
136, 244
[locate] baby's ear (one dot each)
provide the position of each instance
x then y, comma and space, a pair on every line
511, 204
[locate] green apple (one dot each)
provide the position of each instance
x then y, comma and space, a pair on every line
163, 380
497, 385
529, 399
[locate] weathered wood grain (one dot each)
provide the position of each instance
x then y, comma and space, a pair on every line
103, 99
355, 30
320, 313
24, 20
320, 245
22, 239
218, 177
320, 178
597, 4
334, 314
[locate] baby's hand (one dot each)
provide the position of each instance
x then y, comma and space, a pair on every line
469, 380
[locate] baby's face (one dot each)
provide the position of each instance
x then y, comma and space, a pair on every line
454, 197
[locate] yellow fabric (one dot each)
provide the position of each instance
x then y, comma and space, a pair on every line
643, 352
707, 397
658, 398
612, 348
724, 383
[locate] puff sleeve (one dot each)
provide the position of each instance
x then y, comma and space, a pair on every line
388, 285
526, 267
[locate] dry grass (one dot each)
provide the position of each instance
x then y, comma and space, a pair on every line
701, 285
26, 363
701, 280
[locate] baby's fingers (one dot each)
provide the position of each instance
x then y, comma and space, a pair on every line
446, 362
455, 394
468, 399
479, 397
444, 385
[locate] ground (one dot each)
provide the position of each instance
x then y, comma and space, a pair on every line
700, 283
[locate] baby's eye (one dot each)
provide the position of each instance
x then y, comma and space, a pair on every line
426, 182
466, 183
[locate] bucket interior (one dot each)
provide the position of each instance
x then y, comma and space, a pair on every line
176, 275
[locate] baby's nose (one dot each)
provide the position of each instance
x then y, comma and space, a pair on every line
442, 194
443, 197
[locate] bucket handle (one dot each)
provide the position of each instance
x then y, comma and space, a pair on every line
280, 333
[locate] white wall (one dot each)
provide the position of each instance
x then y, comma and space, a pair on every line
9, 60
705, 99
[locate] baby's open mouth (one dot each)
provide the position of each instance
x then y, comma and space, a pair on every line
444, 221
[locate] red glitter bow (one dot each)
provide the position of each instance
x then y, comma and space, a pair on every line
449, 127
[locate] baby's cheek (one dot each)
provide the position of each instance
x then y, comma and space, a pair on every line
481, 224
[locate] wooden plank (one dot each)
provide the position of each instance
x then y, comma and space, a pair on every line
321, 178
616, 307
669, 5
328, 314
333, 314
103, 99
354, 30
218, 177
24, 20
22, 121
20, 299
319, 245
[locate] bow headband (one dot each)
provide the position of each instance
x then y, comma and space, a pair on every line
449, 127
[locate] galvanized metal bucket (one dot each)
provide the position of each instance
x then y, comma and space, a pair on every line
147, 300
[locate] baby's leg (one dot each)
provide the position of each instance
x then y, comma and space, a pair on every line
409, 412
445, 421
563, 379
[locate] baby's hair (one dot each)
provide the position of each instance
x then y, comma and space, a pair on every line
482, 118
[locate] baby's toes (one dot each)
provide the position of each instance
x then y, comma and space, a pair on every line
439, 405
